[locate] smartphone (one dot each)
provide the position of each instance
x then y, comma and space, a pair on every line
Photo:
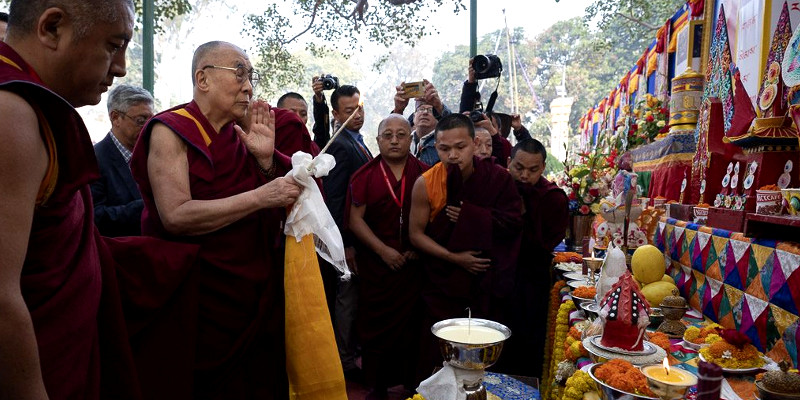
413, 90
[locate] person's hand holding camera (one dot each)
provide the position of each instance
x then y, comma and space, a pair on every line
471, 72
486, 123
316, 86
432, 97
400, 100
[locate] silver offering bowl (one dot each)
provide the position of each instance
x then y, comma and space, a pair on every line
472, 356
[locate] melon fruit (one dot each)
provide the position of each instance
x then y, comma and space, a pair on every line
648, 264
667, 278
656, 291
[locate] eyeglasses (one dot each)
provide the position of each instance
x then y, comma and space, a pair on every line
140, 120
425, 110
389, 136
241, 72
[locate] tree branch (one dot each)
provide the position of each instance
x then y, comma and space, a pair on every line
310, 23
636, 20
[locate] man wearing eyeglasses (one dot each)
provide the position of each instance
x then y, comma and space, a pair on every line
117, 201
427, 112
209, 174
379, 203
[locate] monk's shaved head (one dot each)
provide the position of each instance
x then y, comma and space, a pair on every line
85, 14
393, 117
209, 54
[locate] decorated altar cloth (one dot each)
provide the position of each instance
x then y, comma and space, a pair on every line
667, 160
746, 284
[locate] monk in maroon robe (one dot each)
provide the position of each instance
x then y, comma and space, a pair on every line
466, 220
388, 302
545, 218
295, 138
50, 270
206, 180
63, 335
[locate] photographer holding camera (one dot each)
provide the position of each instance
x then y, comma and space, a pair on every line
484, 67
428, 109
322, 119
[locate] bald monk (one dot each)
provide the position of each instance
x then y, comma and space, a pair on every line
388, 305
207, 180
466, 221
62, 334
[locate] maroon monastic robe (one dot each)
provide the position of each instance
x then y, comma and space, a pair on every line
235, 345
501, 149
69, 276
489, 222
291, 135
389, 306
544, 226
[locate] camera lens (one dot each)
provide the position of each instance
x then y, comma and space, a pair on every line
481, 64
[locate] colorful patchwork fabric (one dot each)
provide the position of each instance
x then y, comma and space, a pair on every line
718, 74
746, 284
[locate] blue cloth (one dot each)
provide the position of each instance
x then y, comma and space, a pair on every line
426, 151
508, 388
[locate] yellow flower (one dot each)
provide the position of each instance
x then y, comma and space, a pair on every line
648, 114
660, 124
595, 208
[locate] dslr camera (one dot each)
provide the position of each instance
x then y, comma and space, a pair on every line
476, 115
487, 66
329, 82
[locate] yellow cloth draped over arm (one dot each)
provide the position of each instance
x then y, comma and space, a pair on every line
312, 358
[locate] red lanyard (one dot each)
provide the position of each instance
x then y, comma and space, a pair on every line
397, 201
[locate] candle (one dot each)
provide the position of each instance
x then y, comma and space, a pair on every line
670, 376
471, 335
341, 128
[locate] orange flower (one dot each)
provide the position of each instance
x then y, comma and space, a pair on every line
586, 292
660, 339
622, 375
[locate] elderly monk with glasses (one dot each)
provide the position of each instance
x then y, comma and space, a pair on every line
209, 174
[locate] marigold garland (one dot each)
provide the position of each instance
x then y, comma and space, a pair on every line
552, 390
552, 312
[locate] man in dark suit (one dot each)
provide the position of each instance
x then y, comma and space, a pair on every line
350, 153
117, 201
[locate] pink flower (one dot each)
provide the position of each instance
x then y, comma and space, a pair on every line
584, 209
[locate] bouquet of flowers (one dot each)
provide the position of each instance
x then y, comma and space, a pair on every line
648, 121
586, 181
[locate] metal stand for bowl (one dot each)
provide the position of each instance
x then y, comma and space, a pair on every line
471, 358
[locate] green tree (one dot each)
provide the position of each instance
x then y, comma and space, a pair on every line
334, 24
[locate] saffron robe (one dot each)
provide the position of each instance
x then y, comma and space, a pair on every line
545, 222
490, 222
235, 347
69, 276
389, 306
